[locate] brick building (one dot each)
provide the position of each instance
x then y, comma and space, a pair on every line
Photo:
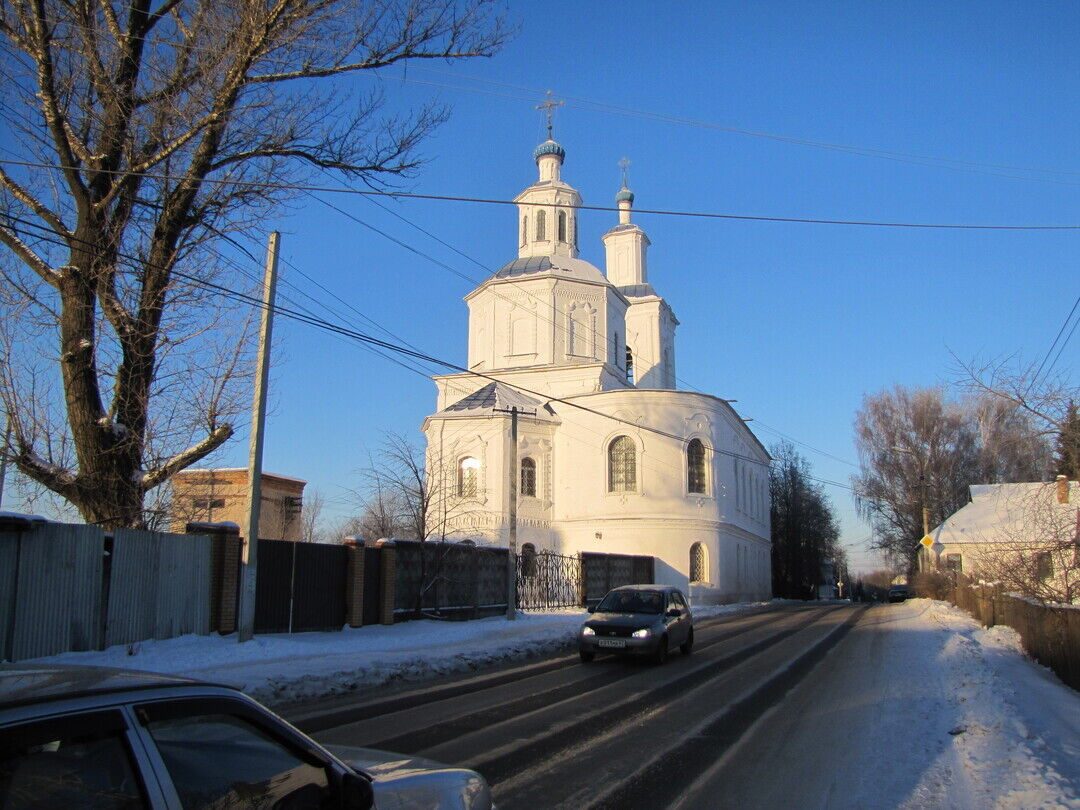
221, 495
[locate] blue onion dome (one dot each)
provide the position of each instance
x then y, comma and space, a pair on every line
549, 147
624, 195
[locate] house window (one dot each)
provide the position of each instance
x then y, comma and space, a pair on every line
468, 470
622, 465
629, 364
1044, 565
541, 225
524, 230
528, 560
562, 226
699, 563
528, 477
954, 563
211, 503
695, 466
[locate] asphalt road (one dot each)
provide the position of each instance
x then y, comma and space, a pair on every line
618, 733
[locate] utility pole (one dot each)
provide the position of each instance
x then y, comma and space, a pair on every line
511, 552
250, 550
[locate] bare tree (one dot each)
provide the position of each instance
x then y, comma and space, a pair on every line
413, 492
311, 516
1047, 400
149, 133
919, 451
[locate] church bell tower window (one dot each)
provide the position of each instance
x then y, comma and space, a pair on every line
562, 226
524, 230
541, 226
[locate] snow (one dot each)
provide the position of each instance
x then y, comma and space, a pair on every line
981, 725
279, 669
965, 720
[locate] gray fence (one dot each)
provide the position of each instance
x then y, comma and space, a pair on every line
69, 588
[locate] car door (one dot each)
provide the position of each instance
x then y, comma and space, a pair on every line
74, 761
218, 752
676, 624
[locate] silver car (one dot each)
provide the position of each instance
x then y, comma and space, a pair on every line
645, 620
89, 737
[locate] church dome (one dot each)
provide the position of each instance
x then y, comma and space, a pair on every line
549, 147
624, 195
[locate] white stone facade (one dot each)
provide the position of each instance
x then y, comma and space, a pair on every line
609, 459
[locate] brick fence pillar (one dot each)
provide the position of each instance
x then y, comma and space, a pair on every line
389, 580
224, 572
354, 582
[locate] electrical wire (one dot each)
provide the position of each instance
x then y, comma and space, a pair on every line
492, 201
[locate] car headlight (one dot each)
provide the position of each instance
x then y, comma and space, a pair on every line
642, 633
587, 631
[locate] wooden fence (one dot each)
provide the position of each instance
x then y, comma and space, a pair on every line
1050, 635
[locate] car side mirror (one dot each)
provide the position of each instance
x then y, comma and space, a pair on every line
592, 608
356, 792
674, 613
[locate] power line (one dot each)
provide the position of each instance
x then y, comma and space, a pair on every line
492, 201
362, 337
1068, 318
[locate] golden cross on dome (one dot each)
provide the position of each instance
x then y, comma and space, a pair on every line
549, 109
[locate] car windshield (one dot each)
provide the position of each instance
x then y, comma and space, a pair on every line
632, 602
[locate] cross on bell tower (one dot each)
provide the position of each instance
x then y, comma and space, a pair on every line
549, 110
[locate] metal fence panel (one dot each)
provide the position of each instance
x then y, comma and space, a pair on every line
55, 603
319, 587
547, 581
273, 585
159, 586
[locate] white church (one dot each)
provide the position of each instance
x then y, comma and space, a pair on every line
611, 456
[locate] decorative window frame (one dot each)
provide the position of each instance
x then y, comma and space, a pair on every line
706, 464
588, 323
699, 545
638, 454
521, 477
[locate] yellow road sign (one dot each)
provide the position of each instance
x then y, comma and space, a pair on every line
927, 541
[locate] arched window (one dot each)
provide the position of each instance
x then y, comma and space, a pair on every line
695, 466
562, 226
622, 465
699, 563
528, 477
524, 230
528, 560
541, 225
468, 471
629, 364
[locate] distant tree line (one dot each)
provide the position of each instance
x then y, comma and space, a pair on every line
805, 533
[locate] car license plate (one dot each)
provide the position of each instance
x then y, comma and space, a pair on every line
611, 642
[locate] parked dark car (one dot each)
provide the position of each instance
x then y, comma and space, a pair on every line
638, 620
898, 593
90, 737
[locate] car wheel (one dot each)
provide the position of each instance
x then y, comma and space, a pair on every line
586, 657
688, 645
661, 651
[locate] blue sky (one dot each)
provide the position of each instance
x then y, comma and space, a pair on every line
795, 321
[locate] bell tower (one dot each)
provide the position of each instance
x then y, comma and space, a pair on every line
547, 216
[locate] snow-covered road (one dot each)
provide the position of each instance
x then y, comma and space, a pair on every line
918, 707
924, 708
